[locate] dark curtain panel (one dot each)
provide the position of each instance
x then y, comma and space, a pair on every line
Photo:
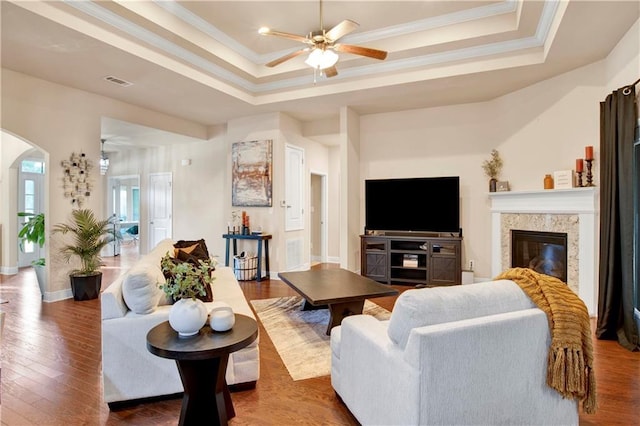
615, 303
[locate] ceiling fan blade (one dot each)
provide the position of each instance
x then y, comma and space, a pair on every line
285, 58
342, 29
330, 72
362, 51
268, 31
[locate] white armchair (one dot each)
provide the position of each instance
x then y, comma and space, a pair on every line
462, 355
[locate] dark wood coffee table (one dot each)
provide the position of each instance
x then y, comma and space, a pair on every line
344, 292
202, 363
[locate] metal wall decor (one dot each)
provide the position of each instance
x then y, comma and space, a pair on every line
76, 182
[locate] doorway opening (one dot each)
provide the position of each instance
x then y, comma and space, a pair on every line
318, 218
124, 206
30, 200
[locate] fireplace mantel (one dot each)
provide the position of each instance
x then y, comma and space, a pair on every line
576, 201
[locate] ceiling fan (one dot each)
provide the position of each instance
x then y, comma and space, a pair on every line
322, 46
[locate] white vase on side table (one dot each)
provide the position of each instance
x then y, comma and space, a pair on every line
187, 316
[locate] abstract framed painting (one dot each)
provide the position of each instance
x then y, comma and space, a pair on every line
251, 173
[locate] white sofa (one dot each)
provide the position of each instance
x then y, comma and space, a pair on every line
462, 355
129, 370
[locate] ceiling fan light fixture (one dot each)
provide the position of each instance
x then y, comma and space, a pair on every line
321, 59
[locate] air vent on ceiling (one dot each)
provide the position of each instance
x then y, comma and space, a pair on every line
118, 81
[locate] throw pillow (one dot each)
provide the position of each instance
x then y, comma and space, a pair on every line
140, 288
184, 250
200, 251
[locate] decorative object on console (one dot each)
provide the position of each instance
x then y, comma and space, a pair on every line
502, 186
548, 182
76, 184
90, 237
563, 179
492, 169
251, 164
410, 260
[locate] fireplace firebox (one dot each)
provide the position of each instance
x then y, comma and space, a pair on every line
544, 252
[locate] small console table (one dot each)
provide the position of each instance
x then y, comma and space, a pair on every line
260, 238
202, 363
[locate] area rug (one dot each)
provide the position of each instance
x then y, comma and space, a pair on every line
299, 336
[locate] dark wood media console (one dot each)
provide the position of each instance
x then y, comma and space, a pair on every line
412, 259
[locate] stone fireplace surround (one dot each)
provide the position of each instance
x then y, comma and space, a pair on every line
573, 211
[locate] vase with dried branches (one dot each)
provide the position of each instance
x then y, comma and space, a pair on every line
492, 169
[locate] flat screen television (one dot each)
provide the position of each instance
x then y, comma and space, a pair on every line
427, 204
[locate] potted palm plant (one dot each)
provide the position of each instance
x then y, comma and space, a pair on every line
90, 236
32, 231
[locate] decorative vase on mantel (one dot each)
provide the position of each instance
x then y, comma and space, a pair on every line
492, 184
187, 316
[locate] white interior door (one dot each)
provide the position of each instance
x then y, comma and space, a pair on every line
294, 188
160, 208
30, 200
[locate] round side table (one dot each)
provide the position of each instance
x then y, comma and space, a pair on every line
202, 363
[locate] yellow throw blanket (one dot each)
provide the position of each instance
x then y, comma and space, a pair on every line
570, 364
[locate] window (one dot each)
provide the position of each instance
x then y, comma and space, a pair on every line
135, 204
123, 203
32, 166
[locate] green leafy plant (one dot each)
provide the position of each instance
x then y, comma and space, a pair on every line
32, 231
90, 236
185, 279
493, 166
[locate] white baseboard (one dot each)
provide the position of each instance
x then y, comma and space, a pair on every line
8, 270
55, 296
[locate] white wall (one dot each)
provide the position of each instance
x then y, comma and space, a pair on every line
538, 130
61, 120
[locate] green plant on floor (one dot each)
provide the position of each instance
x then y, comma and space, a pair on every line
90, 236
32, 231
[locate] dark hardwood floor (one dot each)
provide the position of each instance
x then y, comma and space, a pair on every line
50, 368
